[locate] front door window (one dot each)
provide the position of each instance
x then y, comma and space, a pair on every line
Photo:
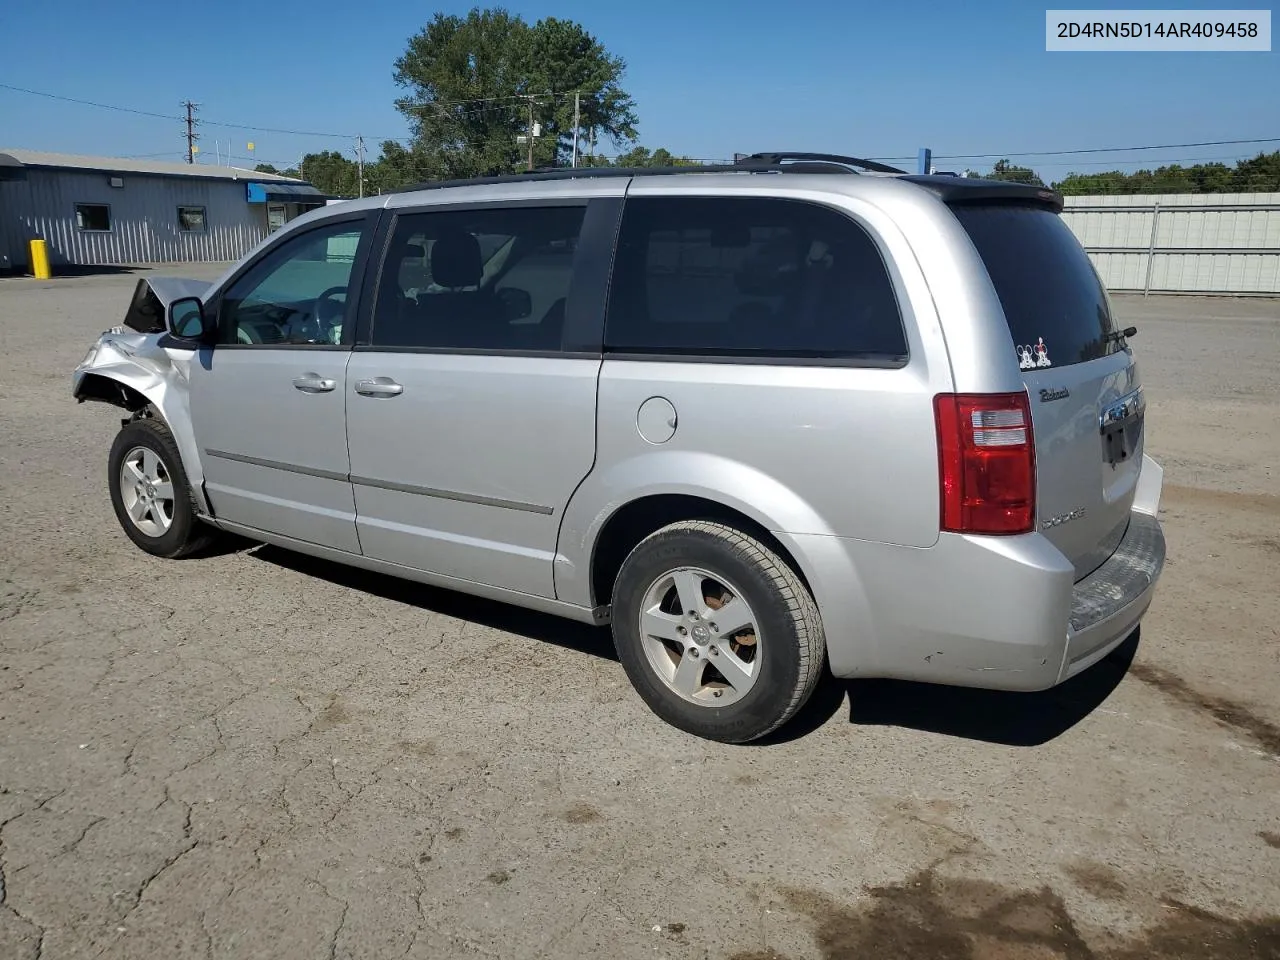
297, 293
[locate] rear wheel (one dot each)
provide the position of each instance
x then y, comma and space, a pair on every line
716, 632
150, 491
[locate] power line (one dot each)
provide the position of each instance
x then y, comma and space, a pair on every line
90, 103
516, 101
1153, 164
282, 130
1067, 153
166, 116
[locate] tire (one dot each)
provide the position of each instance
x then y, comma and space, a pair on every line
168, 527
676, 653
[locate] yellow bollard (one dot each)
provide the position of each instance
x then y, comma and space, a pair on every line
40, 260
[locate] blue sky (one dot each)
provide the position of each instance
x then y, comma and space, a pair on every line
709, 78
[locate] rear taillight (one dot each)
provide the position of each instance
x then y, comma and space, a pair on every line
988, 463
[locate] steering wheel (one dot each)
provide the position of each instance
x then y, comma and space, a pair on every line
324, 323
330, 312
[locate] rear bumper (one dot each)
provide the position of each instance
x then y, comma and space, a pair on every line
1108, 604
987, 612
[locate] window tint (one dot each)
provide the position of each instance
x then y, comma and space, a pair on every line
481, 279
1051, 294
93, 216
191, 219
750, 277
296, 293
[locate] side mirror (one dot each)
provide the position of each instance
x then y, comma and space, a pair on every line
516, 303
186, 320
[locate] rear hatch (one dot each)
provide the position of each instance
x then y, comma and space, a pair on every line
1083, 386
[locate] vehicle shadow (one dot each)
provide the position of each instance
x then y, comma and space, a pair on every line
540, 627
991, 716
100, 269
69, 270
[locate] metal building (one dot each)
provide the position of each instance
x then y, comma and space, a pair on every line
1199, 243
111, 210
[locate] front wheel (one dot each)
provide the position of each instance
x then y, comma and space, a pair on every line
150, 491
716, 632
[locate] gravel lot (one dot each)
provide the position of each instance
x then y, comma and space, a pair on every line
261, 755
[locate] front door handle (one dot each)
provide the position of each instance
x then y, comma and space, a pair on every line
313, 383
379, 387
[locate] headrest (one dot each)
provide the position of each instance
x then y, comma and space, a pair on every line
409, 251
455, 259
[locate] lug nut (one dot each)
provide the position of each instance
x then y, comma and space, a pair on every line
693, 652
715, 651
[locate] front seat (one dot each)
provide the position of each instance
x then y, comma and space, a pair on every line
461, 314
397, 319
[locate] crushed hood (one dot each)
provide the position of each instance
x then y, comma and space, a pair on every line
151, 299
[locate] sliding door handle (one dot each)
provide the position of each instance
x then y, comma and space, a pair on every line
379, 387
313, 383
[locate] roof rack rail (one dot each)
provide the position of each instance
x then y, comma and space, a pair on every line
753, 163
566, 173
780, 158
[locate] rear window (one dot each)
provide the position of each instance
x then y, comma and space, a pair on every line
1053, 298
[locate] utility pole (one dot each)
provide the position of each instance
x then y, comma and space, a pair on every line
360, 161
531, 133
577, 116
192, 136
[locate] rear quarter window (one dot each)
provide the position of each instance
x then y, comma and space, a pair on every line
750, 277
1055, 303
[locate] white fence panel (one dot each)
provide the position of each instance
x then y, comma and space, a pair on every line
1208, 244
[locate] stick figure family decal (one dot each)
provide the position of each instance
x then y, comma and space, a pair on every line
1034, 355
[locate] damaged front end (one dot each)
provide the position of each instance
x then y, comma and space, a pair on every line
138, 367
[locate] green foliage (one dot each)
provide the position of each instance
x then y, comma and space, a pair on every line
1258, 175
641, 157
395, 168
332, 173
475, 83
1004, 170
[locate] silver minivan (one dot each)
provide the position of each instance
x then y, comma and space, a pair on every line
801, 413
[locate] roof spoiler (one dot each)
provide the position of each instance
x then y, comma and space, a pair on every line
952, 189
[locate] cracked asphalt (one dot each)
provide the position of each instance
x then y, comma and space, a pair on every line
256, 754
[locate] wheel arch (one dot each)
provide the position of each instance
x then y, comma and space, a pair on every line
104, 389
633, 521
132, 388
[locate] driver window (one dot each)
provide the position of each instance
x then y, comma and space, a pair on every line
296, 294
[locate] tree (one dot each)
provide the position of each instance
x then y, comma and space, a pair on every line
477, 82
566, 59
1080, 184
1004, 170
332, 173
265, 168
641, 157
395, 168
1260, 174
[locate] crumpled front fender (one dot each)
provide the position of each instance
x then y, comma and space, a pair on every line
136, 370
